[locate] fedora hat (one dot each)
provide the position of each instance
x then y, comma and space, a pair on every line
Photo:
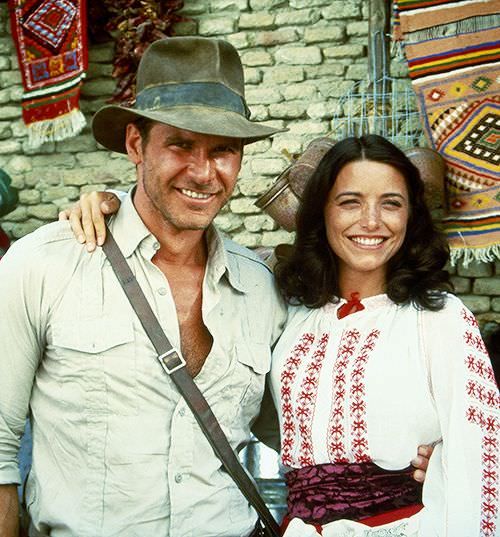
192, 83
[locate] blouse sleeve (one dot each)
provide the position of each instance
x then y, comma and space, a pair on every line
463, 476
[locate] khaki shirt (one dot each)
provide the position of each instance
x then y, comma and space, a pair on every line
116, 451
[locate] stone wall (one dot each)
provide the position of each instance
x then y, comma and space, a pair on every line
300, 58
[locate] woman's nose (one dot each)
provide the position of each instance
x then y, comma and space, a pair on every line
370, 218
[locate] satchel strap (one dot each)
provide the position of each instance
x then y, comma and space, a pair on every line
174, 365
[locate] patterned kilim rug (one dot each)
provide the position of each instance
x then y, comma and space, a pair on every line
51, 42
453, 53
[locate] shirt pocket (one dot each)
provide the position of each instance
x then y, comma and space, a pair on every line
93, 336
252, 363
99, 357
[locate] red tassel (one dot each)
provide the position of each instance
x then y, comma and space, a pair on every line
351, 306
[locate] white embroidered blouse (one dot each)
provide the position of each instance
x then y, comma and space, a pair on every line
374, 385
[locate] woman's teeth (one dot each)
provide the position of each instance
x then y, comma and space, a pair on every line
368, 241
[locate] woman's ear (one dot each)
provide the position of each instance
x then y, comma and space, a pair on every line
134, 144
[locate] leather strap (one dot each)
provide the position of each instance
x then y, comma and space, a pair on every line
174, 365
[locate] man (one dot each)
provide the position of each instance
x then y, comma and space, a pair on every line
115, 449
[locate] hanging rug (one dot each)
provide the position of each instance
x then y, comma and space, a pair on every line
453, 53
51, 44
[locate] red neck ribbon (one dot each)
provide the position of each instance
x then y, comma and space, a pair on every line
351, 306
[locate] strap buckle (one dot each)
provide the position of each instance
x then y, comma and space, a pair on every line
171, 361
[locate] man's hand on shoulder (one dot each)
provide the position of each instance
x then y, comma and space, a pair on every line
86, 217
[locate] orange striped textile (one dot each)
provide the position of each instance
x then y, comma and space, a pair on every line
453, 54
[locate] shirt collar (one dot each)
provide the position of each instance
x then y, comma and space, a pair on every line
130, 231
221, 261
128, 228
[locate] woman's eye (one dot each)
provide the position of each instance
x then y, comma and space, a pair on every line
392, 203
349, 203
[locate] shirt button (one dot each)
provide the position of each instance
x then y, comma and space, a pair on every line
162, 291
178, 478
156, 246
182, 412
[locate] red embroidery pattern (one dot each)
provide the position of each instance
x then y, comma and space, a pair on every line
474, 340
353, 402
287, 377
358, 402
336, 432
469, 318
306, 403
484, 399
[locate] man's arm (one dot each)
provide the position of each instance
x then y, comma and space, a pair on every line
9, 511
266, 429
87, 221
21, 293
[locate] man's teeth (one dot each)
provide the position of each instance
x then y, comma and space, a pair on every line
195, 195
368, 241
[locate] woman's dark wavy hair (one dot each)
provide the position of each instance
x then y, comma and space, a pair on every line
415, 273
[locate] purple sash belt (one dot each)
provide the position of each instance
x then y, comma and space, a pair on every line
327, 492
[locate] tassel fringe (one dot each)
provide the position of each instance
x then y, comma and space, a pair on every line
473, 24
55, 130
469, 255
398, 50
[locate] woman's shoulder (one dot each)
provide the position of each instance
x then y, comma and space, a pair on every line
451, 305
453, 313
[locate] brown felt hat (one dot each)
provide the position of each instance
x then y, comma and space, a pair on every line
192, 83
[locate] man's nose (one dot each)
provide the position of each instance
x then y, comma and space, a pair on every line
201, 166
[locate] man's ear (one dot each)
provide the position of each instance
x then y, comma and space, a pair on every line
133, 144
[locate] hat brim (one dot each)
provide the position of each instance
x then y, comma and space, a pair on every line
109, 123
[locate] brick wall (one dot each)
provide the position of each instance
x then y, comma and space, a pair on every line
300, 57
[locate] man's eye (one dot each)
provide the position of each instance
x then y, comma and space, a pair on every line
226, 149
179, 145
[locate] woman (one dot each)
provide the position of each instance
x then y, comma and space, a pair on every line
377, 358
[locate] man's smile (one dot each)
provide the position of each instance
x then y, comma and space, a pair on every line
195, 195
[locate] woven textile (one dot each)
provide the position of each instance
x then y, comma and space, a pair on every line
401, 6
453, 53
51, 43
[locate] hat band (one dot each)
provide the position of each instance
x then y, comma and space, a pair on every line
193, 93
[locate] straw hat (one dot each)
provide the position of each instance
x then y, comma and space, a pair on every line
191, 83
